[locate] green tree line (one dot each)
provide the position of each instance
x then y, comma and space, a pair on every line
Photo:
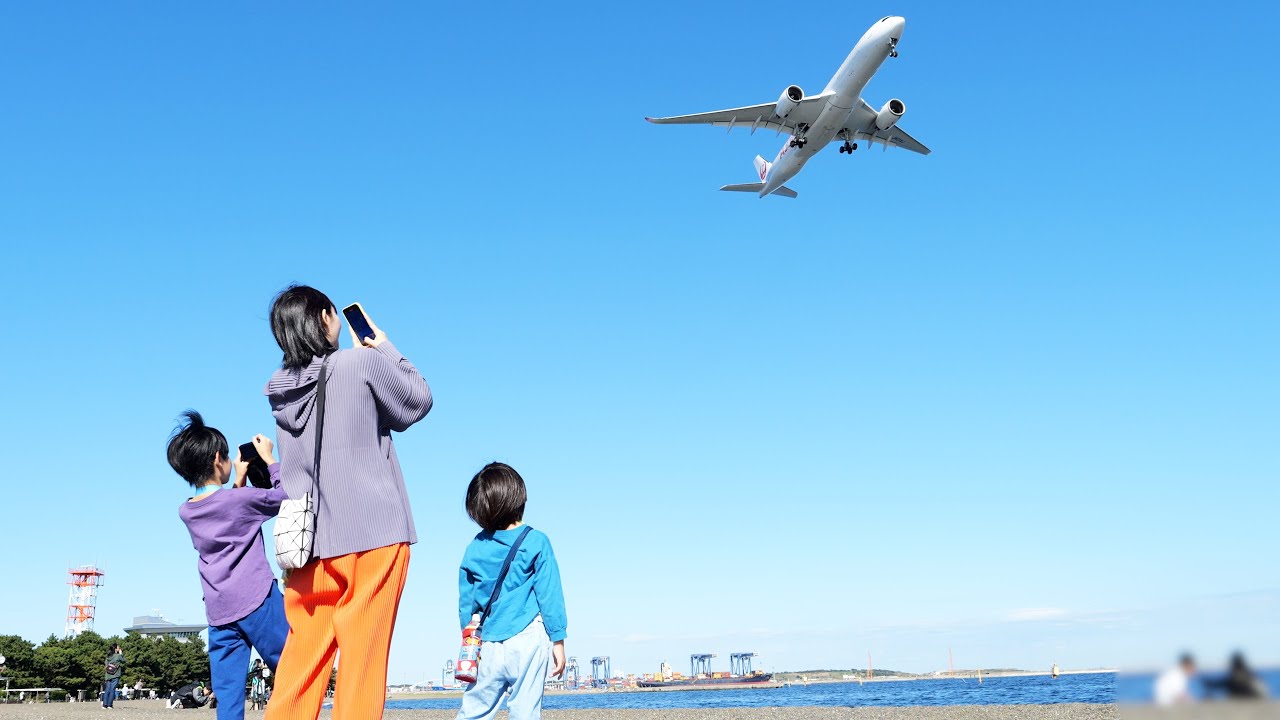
79, 663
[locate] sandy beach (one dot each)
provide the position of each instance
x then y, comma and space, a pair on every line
156, 709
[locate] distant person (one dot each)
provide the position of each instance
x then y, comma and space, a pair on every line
114, 669
1173, 686
241, 600
524, 631
193, 695
1240, 682
258, 685
345, 599
137, 690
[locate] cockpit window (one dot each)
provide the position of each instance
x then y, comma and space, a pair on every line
886, 17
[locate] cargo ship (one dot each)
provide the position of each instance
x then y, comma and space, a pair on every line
701, 674
713, 679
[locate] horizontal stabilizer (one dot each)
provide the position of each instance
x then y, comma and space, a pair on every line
784, 191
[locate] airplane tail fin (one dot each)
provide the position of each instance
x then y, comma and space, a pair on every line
762, 168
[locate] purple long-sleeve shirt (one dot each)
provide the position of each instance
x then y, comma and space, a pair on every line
370, 392
226, 529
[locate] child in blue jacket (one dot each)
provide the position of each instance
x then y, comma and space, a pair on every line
525, 630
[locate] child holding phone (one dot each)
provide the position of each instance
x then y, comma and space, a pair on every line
524, 630
244, 607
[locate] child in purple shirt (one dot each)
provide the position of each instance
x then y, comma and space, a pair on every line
243, 604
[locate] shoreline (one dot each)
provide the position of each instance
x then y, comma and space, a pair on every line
959, 675
1073, 711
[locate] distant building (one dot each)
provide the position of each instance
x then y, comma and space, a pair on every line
156, 626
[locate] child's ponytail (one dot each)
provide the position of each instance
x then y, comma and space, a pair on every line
194, 446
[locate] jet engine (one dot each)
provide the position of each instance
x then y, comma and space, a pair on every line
789, 101
890, 114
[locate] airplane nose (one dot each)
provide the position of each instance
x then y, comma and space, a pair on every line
899, 24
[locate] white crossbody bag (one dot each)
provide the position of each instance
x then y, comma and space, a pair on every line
295, 531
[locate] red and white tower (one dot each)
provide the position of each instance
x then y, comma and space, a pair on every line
84, 581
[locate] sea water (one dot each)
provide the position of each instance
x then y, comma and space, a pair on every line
1032, 690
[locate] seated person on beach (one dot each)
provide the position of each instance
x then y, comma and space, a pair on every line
1240, 682
191, 695
1173, 686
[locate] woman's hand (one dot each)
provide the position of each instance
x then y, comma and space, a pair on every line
264, 446
241, 466
378, 338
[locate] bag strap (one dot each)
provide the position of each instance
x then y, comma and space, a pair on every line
324, 365
506, 565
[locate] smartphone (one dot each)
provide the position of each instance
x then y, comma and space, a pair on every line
257, 473
358, 321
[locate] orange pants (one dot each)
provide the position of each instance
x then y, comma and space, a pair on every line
346, 605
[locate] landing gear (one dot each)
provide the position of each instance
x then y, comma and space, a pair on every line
848, 147
893, 47
799, 139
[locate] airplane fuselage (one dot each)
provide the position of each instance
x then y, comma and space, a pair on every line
843, 93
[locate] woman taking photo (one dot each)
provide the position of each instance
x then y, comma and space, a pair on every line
345, 599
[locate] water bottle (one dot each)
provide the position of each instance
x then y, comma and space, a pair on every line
468, 666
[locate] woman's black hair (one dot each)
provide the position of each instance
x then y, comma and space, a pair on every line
496, 497
194, 446
298, 326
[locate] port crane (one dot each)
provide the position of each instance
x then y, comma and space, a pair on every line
600, 671
700, 664
571, 675
740, 663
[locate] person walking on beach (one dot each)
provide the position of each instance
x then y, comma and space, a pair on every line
258, 685
346, 598
524, 629
114, 669
241, 600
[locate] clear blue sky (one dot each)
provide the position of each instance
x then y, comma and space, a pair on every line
1017, 398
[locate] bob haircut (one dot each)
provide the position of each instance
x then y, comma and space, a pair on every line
194, 446
496, 497
297, 325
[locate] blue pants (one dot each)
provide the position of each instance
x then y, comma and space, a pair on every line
109, 697
264, 630
518, 663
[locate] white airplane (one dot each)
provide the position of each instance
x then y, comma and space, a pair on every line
836, 113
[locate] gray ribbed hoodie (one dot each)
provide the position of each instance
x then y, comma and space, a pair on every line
370, 392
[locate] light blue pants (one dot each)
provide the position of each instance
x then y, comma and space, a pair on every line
520, 664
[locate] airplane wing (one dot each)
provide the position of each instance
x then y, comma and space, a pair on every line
862, 125
753, 116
